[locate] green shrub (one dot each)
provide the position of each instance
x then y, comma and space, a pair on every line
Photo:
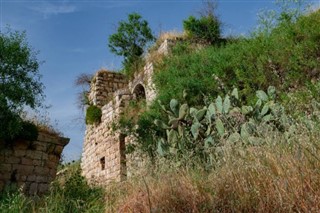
68, 193
93, 114
287, 57
71, 193
29, 131
17, 128
205, 29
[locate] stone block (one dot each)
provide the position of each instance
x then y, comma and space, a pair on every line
37, 162
40, 146
51, 164
53, 158
42, 179
39, 170
13, 160
31, 178
33, 188
5, 167
23, 169
19, 153
34, 154
21, 144
7, 153
43, 188
22, 178
45, 156
5, 176
26, 161
53, 172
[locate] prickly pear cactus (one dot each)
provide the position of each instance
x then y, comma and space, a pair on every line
224, 119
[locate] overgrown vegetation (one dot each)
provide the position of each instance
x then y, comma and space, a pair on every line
288, 57
240, 151
207, 28
198, 133
279, 176
20, 84
93, 114
213, 148
83, 81
130, 42
68, 193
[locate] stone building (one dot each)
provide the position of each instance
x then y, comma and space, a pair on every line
31, 165
103, 158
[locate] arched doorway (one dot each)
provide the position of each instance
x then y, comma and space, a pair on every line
139, 93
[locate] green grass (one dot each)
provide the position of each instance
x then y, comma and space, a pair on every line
287, 58
68, 193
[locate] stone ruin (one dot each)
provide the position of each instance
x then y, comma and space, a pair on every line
104, 158
31, 165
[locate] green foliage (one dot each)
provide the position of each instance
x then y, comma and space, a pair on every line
29, 131
93, 114
17, 128
12, 200
192, 130
68, 193
205, 29
131, 39
73, 194
19, 82
287, 57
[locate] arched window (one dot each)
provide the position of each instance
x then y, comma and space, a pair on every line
139, 93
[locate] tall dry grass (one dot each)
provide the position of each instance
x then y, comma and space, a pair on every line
283, 175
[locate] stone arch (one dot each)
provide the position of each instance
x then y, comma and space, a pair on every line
139, 92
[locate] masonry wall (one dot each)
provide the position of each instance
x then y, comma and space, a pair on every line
31, 165
103, 156
103, 86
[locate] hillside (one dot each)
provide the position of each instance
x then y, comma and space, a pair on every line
235, 128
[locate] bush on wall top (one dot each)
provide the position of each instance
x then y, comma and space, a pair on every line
93, 114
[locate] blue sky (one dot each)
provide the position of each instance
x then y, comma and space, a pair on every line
72, 36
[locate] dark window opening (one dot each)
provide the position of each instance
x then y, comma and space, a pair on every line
123, 163
103, 163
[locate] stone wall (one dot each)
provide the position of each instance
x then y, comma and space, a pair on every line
103, 86
103, 157
31, 165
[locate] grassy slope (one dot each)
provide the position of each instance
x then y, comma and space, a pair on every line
287, 58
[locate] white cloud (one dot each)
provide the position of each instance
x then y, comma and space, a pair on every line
48, 9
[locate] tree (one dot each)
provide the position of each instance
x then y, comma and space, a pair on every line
20, 84
131, 38
207, 28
